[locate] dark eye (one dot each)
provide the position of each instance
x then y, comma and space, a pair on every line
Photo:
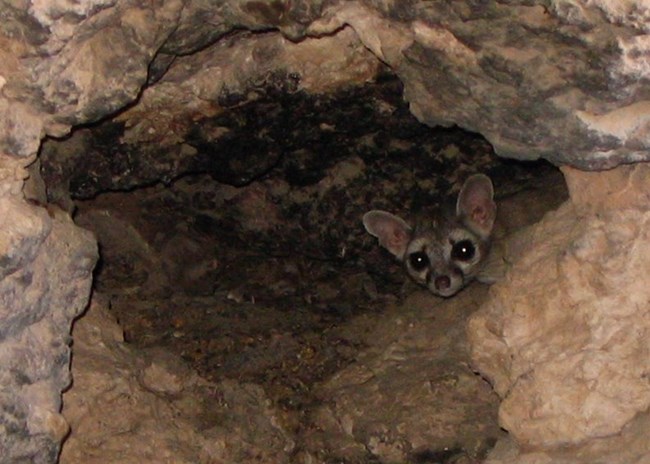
463, 250
418, 261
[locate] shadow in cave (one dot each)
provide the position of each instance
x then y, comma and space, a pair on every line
248, 258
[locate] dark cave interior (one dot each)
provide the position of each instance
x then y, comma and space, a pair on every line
241, 248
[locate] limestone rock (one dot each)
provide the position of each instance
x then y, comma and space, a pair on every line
567, 81
129, 407
109, 411
411, 394
569, 355
630, 446
506, 72
46, 276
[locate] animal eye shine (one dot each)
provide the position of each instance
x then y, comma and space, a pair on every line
418, 261
463, 250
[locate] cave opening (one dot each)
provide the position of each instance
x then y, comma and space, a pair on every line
241, 250
223, 155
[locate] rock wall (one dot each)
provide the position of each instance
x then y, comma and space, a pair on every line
569, 355
567, 81
45, 282
150, 407
411, 395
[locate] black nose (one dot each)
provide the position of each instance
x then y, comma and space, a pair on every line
442, 282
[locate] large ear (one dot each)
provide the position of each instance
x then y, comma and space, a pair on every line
475, 204
393, 233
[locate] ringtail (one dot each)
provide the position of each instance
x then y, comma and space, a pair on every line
445, 252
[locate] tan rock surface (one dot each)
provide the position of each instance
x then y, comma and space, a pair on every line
567, 81
411, 393
45, 277
129, 407
564, 338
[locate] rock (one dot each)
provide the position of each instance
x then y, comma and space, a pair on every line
107, 409
411, 392
566, 81
507, 61
569, 355
128, 261
163, 373
503, 68
131, 407
46, 276
630, 446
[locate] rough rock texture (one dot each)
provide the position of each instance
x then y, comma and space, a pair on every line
45, 277
129, 407
295, 137
301, 185
559, 81
280, 320
569, 356
410, 397
567, 80
631, 446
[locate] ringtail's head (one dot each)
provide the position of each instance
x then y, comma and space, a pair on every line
442, 253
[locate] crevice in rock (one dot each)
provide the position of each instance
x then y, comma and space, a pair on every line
223, 153
241, 251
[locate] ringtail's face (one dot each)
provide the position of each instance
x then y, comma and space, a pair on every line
443, 254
